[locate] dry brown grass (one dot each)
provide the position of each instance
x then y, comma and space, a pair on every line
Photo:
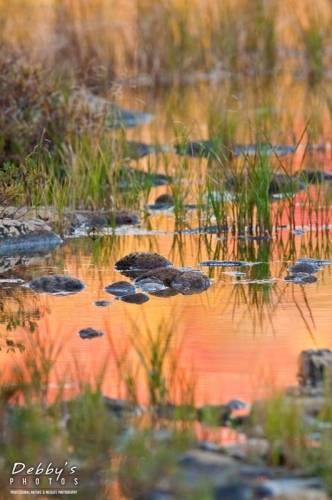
102, 41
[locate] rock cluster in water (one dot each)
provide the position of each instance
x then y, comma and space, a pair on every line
155, 275
303, 270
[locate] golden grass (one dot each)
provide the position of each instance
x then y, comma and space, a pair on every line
102, 40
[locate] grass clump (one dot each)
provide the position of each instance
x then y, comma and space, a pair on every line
33, 110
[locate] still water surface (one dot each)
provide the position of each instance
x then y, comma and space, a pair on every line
240, 338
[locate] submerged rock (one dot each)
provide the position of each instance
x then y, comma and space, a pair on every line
102, 303
134, 298
221, 263
317, 262
190, 282
120, 288
141, 261
57, 284
90, 333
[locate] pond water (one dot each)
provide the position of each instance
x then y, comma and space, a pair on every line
239, 339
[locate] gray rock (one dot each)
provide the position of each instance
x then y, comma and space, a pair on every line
237, 404
290, 485
102, 303
17, 237
235, 491
190, 282
314, 366
99, 219
141, 261
57, 284
135, 298
90, 333
120, 288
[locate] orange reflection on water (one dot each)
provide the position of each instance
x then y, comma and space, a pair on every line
232, 341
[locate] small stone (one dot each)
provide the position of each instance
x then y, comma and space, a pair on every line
237, 404
164, 199
102, 303
57, 284
135, 298
137, 261
190, 283
90, 333
120, 288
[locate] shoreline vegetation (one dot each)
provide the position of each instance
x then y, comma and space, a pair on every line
66, 148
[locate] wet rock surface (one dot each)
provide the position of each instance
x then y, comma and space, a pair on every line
135, 298
90, 333
120, 288
141, 261
26, 237
190, 282
57, 284
102, 303
151, 285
